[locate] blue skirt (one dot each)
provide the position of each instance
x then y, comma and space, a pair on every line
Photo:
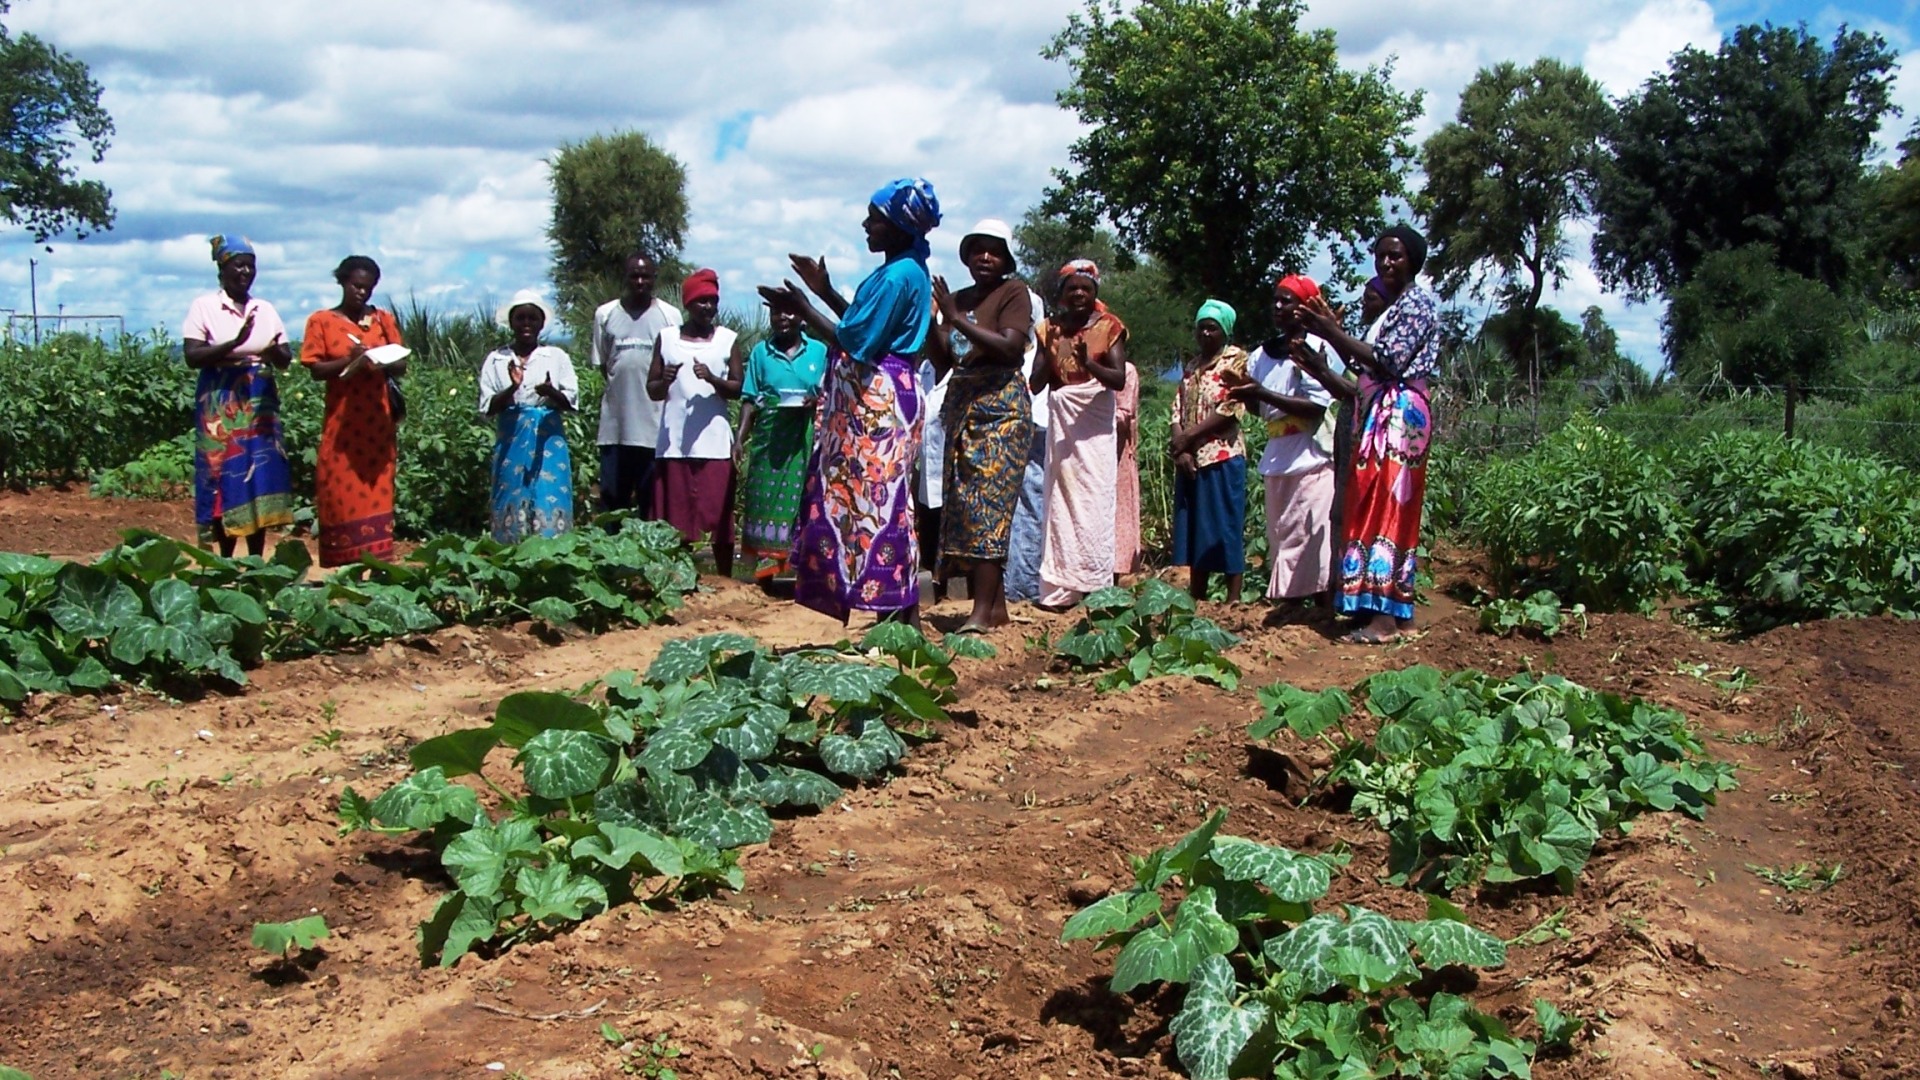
532, 474
1210, 518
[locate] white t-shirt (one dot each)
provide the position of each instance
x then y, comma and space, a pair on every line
544, 362
1294, 443
622, 348
1033, 350
933, 436
693, 419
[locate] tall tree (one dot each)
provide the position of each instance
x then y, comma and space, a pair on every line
1893, 215
612, 194
1225, 140
47, 98
1758, 143
1504, 179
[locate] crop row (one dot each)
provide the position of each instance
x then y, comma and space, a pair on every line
154, 610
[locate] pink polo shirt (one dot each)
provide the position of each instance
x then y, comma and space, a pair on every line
215, 318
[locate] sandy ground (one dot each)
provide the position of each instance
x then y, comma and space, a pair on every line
912, 929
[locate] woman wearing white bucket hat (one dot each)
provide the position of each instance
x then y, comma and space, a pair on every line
981, 334
526, 390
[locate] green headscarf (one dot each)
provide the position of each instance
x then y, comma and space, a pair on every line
1219, 311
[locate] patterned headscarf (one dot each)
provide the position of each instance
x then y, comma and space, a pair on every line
1219, 311
1083, 267
912, 206
226, 247
1303, 288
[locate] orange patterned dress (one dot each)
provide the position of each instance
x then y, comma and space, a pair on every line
354, 472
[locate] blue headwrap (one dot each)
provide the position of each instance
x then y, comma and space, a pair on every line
226, 247
912, 206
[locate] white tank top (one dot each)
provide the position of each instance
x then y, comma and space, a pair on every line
693, 419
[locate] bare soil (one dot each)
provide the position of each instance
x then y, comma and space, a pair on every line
912, 930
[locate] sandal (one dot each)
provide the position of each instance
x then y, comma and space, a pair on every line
1366, 636
970, 628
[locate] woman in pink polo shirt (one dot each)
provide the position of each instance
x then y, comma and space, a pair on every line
241, 486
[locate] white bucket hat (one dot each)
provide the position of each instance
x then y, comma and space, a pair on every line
990, 229
523, 297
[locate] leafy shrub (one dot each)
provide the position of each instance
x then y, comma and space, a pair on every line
1274, 988
162, 471
659, 782
1474, 776
1587, 514
1148, 633
1538, 614
1792, 531
75, 405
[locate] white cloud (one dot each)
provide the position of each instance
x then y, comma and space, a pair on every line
1624, 60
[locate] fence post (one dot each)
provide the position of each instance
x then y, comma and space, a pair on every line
1793, 398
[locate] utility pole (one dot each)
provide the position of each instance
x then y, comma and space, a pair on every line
33, 293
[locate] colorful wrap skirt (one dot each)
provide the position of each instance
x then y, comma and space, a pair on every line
240, 480
532, 474
777, 452
854, 548
989, 422
1380, 518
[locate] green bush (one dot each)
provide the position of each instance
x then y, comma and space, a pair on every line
75, 405
1588, 514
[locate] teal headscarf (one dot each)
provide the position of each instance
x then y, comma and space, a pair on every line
1219, 311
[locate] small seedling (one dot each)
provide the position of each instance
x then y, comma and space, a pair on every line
1800, 877
648, 1060
277, 938
326, 740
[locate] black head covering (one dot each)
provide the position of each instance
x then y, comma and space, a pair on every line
1415, 244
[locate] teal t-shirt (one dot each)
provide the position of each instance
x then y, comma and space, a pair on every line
772, 375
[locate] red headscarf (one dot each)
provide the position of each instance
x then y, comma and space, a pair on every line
1301, 286
699, 285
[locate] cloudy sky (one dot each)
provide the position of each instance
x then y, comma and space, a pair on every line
419, 133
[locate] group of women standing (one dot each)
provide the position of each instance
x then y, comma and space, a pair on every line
835, 413
242, 485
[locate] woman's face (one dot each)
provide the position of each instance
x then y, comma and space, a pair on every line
1391, 262
882, 234
1208, 335
704, 310
1286, 310
236, 275
1078, 293
1371, 305
526, 322
356, 290
782, 322
988, 263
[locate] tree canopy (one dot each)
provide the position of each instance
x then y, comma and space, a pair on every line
1761, 142
1517, 164
47, 100
612, 194
1226, 141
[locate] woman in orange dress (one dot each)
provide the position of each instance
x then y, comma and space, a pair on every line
354, 473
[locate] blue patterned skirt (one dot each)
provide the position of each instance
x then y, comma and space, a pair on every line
532, 474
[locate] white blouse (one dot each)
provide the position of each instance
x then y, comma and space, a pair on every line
693, 419
546, 361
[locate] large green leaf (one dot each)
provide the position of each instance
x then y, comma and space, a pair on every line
704, 816
479, 858
786, 785
458, 922
554, 891
677, 748
457, 753
11, 688
619, 846
1443, 941
424, 800
519, 717
560, 764
682, 659
553, 610
1210, 1031
1305, 713
870, 750
1121, 911
1309, 949
1291, 876
843, 682
1181, 856
92, 603
755, 733
1157, 598
1160, 953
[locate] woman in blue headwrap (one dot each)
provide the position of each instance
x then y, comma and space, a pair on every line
241, 486
855, 548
